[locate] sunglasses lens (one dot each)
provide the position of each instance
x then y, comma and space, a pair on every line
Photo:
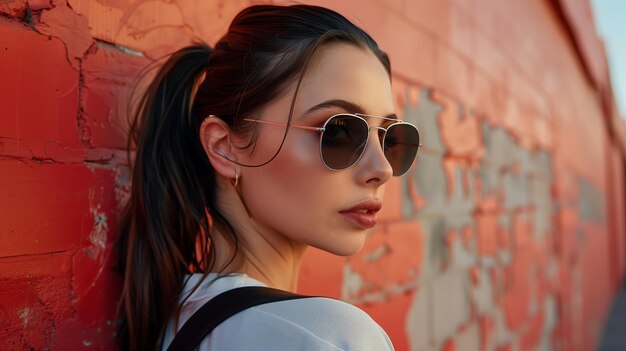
343, 141
401, 144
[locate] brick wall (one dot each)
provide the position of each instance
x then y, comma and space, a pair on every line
508, 234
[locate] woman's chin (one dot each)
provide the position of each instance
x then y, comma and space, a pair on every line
348, 248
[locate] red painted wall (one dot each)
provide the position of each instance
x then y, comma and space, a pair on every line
509, 233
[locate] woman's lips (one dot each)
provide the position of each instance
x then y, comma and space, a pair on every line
363, 214
363, 220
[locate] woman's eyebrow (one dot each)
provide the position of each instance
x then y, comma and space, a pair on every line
347, 106
343, 104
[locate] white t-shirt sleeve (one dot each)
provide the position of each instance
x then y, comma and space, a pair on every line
318, 324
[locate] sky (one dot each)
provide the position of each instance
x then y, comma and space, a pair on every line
610, 19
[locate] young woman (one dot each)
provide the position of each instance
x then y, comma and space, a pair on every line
279, 138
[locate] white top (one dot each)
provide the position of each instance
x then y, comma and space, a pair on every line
320, 324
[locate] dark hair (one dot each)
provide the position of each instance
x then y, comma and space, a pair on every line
173, 193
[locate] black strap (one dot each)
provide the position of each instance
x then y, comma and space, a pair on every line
220, 308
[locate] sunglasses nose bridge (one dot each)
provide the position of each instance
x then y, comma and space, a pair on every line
381, 132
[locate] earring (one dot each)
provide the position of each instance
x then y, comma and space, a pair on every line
236, 181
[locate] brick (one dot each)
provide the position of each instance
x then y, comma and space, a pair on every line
551, 318
412, 201
451, 307
430, 181
591, 202
458, 167
97, 288
449, 345
418, 322
423, 110
460, 130
462, 30
543, 208
566, 236
413, 59
320, 266
461, 257
489, 59
36, 111
530, 339
469, 337
453, 74
484, 98
72, 28
460, 200
436, 252
501, 336
15, 9
54, 301
54, 207
391, 257
392, 316
395, 5
542, 130
486, 331
157, 28
501, 151
36, 295
513, 116
487, 230
565, 187
516, 190
516, 301
433, 16
481, 292
393, 200
109, 76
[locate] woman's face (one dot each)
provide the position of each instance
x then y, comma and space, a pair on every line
295, 197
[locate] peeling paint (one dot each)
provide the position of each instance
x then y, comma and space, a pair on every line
500, 145
121, 48
100, 228
376, 254
352, 283
98, 235
122, 186
71, 28
24, 314
15, 9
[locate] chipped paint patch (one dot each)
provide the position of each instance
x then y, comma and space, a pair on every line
352, 283
24, 315
376, 254
122, 186
72, 28
99, 229
98, 235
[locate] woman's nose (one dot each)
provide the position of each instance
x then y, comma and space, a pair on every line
374, 168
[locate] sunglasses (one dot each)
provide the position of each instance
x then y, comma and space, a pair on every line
343, 138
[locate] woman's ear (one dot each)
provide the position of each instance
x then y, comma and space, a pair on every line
216, 141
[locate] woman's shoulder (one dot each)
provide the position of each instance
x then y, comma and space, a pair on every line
313, 310
314, 323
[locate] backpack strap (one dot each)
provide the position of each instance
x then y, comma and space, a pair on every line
220, 308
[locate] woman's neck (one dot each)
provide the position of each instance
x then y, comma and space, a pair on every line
276, 272
269, 258
265, 255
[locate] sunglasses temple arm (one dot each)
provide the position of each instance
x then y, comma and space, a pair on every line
315, 129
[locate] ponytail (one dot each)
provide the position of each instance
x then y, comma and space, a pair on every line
173, 186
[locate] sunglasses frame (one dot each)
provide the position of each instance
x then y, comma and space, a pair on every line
357, 115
